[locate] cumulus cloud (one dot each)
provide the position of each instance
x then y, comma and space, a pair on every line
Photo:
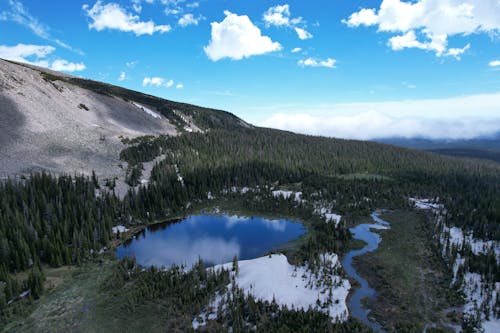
311, 62
37, 55
461, 117
153, 81
494, 63
303, 34
280, 16
122, 76
427, 24
179, 86
19, 14
296, 50
157, 81
188, 19
62, 65
236, 37
112, 16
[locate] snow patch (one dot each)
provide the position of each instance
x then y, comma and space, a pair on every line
328, 215
491, 326
287, 194
179, 177
480, 295
426, 204
148, 111
273, 278
119, 229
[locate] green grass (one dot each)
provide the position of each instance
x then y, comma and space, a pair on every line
69, 305
410, 277
81, 303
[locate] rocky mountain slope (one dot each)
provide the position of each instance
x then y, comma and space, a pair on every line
58, 123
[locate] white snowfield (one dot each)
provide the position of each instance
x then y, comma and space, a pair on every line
478, 293
119, 229
272, 277
148, 111
287, 194
478, 246
328, 215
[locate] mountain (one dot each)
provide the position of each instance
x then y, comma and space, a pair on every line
180, 160
483, 148
59, 123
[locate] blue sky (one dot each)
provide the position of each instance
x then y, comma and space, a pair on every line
407, 68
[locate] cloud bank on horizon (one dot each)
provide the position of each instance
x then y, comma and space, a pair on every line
239, 56
432, 119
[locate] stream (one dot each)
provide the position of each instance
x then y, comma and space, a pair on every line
363, 232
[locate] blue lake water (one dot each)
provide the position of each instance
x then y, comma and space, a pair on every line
216, 239
364, 233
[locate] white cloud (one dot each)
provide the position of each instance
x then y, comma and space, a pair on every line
131, 64
280, 16
188, 19
296, 50
112, 16
303, 34
21, 52
311, 62
19, 14
365, 16
449, 118
137, 8
153, 81
157, 81
277, 16
62, 65
180, 86
37, 55
435, 20
373, 125
122, 76
236, 37
435, 43
494, 63
457, 52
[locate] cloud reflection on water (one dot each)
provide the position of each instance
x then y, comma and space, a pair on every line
215, 239
277, 225
166, 251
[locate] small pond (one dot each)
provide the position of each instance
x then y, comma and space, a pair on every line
216, 239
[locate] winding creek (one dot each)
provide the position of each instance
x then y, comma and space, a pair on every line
363, 232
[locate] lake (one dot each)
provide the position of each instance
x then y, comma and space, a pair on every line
216, 239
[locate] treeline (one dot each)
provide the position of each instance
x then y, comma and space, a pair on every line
387, 175
44, 219
53, 220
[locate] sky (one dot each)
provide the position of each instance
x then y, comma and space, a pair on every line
342, 68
